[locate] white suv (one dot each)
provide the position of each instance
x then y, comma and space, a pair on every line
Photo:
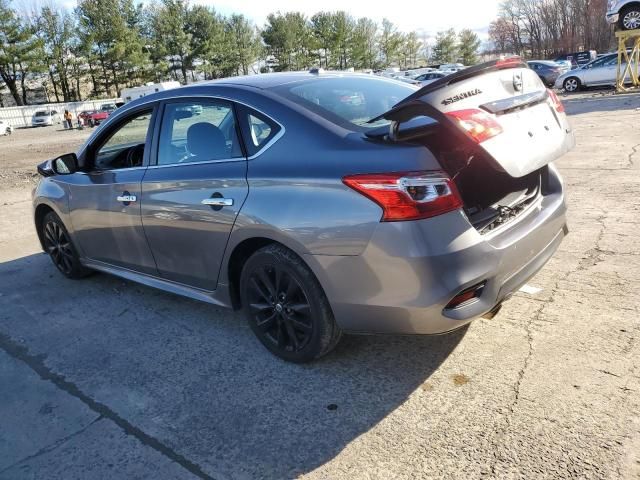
626, 13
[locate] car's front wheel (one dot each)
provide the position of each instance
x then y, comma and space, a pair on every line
286, 306
58, 245
571, 84
630, 18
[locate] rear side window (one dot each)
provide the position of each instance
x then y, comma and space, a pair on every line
349, 101
199, 131
257, 129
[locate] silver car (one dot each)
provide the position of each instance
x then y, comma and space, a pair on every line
603, 71
45, 118
320, 203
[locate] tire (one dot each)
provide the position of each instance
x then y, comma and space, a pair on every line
91, 124
572, 84
58, 245
286, 307
629, 18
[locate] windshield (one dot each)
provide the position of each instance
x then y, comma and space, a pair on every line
42, 114
349, 101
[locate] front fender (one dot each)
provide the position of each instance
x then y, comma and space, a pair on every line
53, 195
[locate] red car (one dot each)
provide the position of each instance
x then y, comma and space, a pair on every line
84, 116
97, 117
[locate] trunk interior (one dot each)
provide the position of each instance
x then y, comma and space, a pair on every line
490, 195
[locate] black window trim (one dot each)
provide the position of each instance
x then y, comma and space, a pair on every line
243, 120
102, 137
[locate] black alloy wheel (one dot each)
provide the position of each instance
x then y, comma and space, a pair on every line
57, 243
280, 308
286, 307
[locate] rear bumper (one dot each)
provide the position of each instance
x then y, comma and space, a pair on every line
410, 271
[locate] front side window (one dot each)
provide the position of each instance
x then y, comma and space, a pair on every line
198, 132
125, 146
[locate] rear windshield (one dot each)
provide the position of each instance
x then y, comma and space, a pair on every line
348, 101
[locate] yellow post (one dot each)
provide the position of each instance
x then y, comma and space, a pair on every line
628, 62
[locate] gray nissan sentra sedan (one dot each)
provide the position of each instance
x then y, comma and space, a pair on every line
320, 203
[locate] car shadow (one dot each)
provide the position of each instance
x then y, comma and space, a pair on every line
194, 377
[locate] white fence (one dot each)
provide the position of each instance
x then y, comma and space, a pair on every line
21, 116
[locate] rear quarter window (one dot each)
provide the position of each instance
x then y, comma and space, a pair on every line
257, 129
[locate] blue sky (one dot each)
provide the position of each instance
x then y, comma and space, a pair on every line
427, 16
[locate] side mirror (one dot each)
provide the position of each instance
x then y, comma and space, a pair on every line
65, 164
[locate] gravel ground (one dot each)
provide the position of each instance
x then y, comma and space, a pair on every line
102, 378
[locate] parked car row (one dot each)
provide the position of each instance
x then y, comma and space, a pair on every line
91, 118
424, 75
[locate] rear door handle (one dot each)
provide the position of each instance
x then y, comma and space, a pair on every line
127, 198
218, 202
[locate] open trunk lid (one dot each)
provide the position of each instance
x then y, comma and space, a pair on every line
500, 105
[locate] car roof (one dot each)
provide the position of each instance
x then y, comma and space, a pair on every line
270, 80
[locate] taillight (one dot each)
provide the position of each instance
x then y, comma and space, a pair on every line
557, 104
408, 195
479, 124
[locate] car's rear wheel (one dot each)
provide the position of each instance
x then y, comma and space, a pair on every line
630, 18
58, 244
571, 84
286, 306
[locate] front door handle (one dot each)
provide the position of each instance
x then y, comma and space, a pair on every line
218, 202
127, 198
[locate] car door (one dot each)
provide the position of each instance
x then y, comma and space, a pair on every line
104, 198
193, 191
595, 72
